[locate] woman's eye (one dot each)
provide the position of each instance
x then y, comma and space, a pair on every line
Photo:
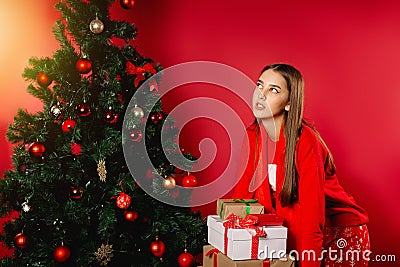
259, 86
274, 90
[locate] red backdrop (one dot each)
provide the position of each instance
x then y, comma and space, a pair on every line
347, 52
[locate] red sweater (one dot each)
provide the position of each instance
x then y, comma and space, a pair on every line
322, 200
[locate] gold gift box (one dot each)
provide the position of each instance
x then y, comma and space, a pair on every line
240, 207
224, 261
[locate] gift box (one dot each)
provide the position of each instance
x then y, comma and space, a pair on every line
269, 219
212, 257
243, 244
239, 207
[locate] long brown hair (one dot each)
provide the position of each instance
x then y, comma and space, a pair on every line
293, 120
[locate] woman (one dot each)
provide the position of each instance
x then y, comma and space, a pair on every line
323, 221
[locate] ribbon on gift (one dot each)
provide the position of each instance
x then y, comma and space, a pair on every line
213, 253
246, 202
248, 223
266, 263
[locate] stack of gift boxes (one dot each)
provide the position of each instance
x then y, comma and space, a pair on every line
241, 235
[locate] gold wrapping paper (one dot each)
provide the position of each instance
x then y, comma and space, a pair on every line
224, 261
240, 207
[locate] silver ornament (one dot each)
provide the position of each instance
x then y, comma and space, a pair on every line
138, 112
96, 26
26, 207
55, 111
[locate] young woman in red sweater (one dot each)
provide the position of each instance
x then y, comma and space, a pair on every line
325, 225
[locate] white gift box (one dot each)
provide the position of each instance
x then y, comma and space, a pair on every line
240, 240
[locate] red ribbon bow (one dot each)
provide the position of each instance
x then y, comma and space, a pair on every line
248, 223
213, 253
139, 71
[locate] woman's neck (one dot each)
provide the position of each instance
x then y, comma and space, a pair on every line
273, 127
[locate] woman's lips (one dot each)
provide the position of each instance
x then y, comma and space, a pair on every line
259, 106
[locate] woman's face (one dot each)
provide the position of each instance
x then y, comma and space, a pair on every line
271, 96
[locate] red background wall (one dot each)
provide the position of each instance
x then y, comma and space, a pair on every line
347, 51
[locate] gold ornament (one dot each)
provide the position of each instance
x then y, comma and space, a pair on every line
101, 170
169, 183
96, 26
104, 254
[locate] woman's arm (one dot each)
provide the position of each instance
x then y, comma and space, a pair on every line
310, 167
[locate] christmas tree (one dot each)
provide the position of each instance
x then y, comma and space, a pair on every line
78, 202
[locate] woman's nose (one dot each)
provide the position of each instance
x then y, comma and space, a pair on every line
261, 95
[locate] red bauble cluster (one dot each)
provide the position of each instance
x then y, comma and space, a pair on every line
43, 80
21, 240
186, 259
61, 253
83, 65
189, 181
157, 247
123, 201
37, 149
127, 4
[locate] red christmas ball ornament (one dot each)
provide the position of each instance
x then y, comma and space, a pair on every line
83, 110
61, 253
43, 80
136, 135
131, 216
156, 117
185, 259
76, 149
189, 181
127, 4
123, 200
68, 125
83, 65
37, 149
157, 247
76, 192
111, 117
21, 240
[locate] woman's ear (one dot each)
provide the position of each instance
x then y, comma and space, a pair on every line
287, 107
